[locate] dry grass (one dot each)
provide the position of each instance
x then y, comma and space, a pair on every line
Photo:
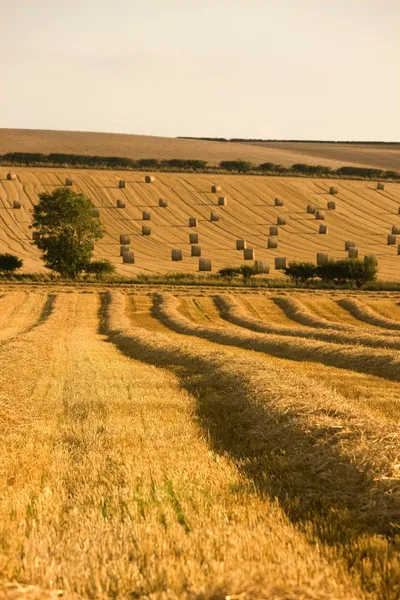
380, 362
232, 310
110, 487
367, 314
261, 392
297, 311
141, 463
362, 214
20, 312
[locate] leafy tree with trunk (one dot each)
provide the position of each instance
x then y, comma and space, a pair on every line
65, 231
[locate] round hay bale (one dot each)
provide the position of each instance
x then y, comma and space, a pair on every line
176, 254
11, 176
146, 230
128, 257
322, 258
281, 221
241, 244
121, 184
214, 218
248, 254
333, 190
68, 181
124, 239
280, 263
17, 204
396, 229
149, 179
272, 242
121, 204
123, 249
331, 205
163, 203
349, 244
261, 267
146, 216
353, 252
279, 202
204, 264
380, 186
391, 239
273, 230
195, 251
193, 238
320, 215
222, 201
193, 222
215, 189
323, 229
311, 209
95, 213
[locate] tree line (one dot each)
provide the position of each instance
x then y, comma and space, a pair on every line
180, 164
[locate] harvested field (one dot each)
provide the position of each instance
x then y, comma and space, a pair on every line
363, 214
188, 445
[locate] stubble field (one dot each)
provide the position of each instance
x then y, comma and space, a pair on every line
362, 214
188, 445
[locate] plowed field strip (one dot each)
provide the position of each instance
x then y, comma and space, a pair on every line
263, 411
116, 492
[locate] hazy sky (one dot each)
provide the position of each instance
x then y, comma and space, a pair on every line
289, 69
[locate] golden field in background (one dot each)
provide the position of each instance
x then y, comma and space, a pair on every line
363, 214
380, 156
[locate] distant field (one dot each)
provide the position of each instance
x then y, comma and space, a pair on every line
363, 214
162, 148
194, 446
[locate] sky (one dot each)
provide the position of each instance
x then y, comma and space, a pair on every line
282, 69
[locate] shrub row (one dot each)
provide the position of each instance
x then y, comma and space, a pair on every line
238, 166
339, 272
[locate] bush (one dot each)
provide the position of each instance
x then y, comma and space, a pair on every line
247, 272
100, 268
301, 271
310, 169
349, 271
229, 273
9, 263
236, 165
268, 167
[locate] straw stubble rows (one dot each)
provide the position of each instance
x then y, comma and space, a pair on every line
148, 451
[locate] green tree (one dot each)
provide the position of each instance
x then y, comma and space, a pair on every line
100, 268
66, 231
9, 263
301, 271
247, 272
228, 273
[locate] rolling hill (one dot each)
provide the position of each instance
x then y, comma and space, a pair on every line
363, 214
383, 156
